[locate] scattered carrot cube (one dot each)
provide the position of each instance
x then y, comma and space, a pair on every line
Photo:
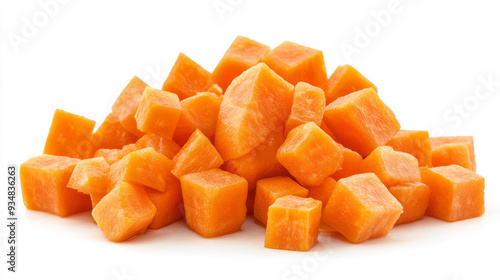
164, 146
293, 223
453, 153
350, 164
345, 80
436, 142
414, 197
111, 134
456, 193
214, 202
323, 191
308, 106
90, 176
127, 103
415, 143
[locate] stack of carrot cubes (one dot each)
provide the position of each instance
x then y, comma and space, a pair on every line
266, 133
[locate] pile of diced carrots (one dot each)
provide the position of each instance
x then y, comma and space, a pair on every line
267, 134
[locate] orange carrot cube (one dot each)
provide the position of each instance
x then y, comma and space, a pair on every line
323, 191
127, 103
164, 146
168, 203
111, 134
414, 197
308, 106
415, 143
350, 164
453, 153
345, 80
436, 142
90, 176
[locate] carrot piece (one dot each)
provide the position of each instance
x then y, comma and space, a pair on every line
323, 191
198, 154
270, 189
111, 134
43, 182
124, 212
127, 116
309, 154
215, 88
297, 63
164, 146
69, 135
127, 103
168, 203
214, 202
95, 198
158, 112
327, 130
90, 176
241, 55
456, 193
144, 167
361, 208
293, 223
350, 164
415, 143
257, 103
454, 153
345, 80
361, 121
414, 197
308, 106
199, 111
436, 142
391, 167
186, 78
113, 155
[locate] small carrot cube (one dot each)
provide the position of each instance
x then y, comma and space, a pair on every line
436, 142
293, 223
111, 134
345, 80
308, 106
127, 103
414, 197
90, 176
350, 164
214, 202
415, 143
452, 153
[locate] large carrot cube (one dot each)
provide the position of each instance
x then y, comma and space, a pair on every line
293, 223
158, 112
456, 193
415, 143
111, 134
345, 80
255, 104
214, 202
308, 106
361, 121
186, 78
43, 183
90, 176
270, 189
241, 55
124, 212
361, 208
70, 135
436, 142
144, 167
414, 197
309, 154
163, 146
350, 164
391, 167
198, 154
323, 191
297, 63
127, 103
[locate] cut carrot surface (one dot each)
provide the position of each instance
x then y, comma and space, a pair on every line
308, 106
415, 143
90, 176
345, 80
164, 146
127, 103
113, 155
436, 142
452, 153
168, 203
323, 191
350, 164
111, 134
414, 197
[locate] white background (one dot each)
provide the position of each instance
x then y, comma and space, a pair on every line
427, 60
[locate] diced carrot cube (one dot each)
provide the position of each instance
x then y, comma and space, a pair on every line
308, 106
164, 146
69, 135
111, 134
198, 154
414, 197
124, 212
350, 164
436, 142
168, 203
257, 103
453, 153
270, 189
43, 183
90, 176
309, 154
127, 116
241, 55
186, 78
345, 80
391, 167
323, 191
214, 202
361, 121
134, 88
456, 193
144, 167
415, 143
297, 63
293, 223
199, 111
113, 155
361, 208
158, 112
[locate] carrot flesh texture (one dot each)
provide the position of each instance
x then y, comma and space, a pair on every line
308, 106
456, 193
127, 103
255, 104
164, 146
361, 208
293, 223
241, 55
168, 203
113, 155
345, 80
415, 143
90, 176
414, 197
214, 202
309, 154
350, 164
436, 142
391, 167
323, 191
270, 189
453, 153
297, 63
44, 181
123, 213
111, 134
361, 121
